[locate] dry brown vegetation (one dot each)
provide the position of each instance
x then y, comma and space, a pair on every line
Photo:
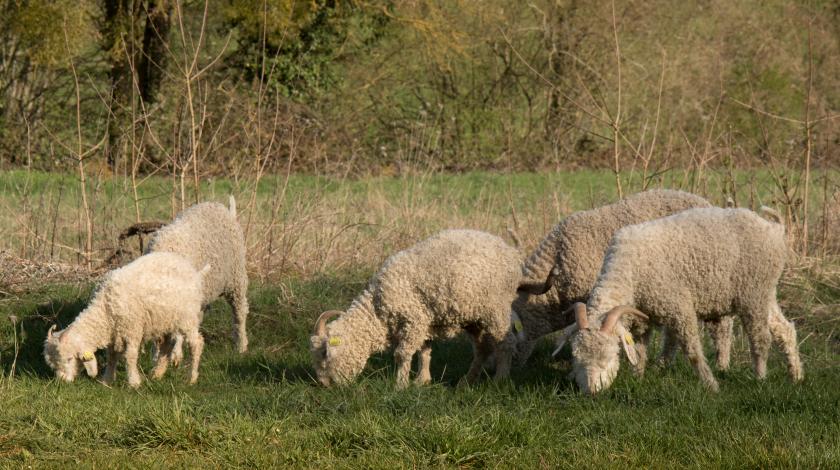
726, 100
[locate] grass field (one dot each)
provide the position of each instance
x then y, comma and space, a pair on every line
306, 225
263, 409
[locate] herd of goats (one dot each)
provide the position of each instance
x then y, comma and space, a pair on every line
602, 279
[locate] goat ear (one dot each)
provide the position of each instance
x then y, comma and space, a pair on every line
89, 361
518, 328
629, 346
332, 346
564, 338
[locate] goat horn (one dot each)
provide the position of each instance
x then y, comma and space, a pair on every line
50, 332
321, 323
580, 315
538, 288
614, 314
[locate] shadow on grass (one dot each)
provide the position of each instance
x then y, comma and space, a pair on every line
292, 367
452, 358
544, 370
450, 361
32, 331
259, 368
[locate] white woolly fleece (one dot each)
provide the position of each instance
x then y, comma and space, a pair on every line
208, 233
455, 280
576, 246
699, 264
155, 295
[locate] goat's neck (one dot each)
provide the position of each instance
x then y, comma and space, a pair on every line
368, 328
91, 330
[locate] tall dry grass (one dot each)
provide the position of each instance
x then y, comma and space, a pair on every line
299, 225
296, 224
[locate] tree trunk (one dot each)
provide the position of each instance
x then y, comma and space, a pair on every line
135, 37
151, 65
155, 40
119, 41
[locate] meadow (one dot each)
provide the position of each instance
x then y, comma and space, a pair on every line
313, 243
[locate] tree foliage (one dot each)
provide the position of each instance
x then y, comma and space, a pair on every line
38, 39
455, 84
294, 46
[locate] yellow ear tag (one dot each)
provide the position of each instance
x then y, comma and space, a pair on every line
87, 356
517, 326
335, 341
629, 338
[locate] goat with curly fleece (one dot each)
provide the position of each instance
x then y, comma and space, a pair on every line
575, 247
700, 264
455, 280
156, 295
208, 233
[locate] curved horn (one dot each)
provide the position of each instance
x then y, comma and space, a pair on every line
614, 314
50, 332
580, 315
321, 323
538, 288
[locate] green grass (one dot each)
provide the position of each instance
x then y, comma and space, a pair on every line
263, 408
318, 219
584, 188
